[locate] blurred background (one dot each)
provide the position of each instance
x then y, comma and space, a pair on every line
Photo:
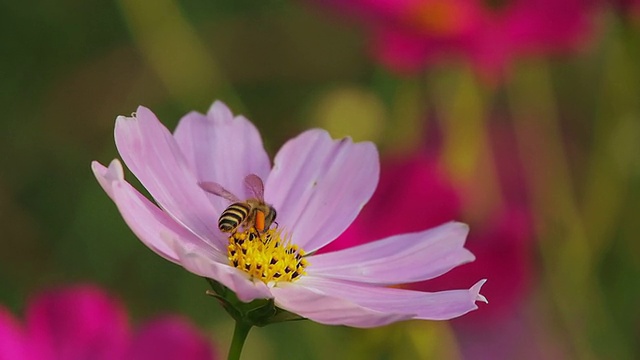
518, 117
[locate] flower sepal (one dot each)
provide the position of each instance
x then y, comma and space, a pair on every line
259, 312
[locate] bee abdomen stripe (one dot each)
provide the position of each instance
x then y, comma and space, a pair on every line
239, 206
237, 213
233, 216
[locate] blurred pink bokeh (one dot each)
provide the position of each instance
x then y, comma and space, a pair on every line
83, 322
410, 35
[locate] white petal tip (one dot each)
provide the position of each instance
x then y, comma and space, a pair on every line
115, 167
108, 176
482, 298
134, 115
460, 226
96, 166
114, 172
220, 112
219, 104
475, 291
122, 118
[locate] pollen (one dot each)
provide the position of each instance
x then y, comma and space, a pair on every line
267, 256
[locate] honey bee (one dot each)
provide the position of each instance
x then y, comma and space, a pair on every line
253, 212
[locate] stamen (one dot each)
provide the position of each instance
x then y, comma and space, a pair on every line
268, 256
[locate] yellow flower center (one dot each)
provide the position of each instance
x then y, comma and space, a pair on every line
267, 256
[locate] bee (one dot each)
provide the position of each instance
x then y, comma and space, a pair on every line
253, 212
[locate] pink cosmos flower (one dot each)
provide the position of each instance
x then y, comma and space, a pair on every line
317, 185
82, 322
409, 35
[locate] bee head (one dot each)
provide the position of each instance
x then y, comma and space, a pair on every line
270, 217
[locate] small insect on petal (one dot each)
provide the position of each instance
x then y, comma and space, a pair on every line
253, 212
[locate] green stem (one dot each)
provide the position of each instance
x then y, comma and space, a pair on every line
239, 336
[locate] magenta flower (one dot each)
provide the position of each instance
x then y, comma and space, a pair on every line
82, 322
317, 185
410, 35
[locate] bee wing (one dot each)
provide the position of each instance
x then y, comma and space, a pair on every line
217, 189
255, 186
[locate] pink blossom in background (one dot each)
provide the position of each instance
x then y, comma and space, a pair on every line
410, 35
82, 322
318, 186
169, 337
13, 344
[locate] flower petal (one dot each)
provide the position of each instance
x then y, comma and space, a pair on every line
13, 344
106, 176
171, 241
151, 153
328, 309
80, 322
170, 338
397, 259
203, 265
319, 185
150, 224
441, 305
222, 149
